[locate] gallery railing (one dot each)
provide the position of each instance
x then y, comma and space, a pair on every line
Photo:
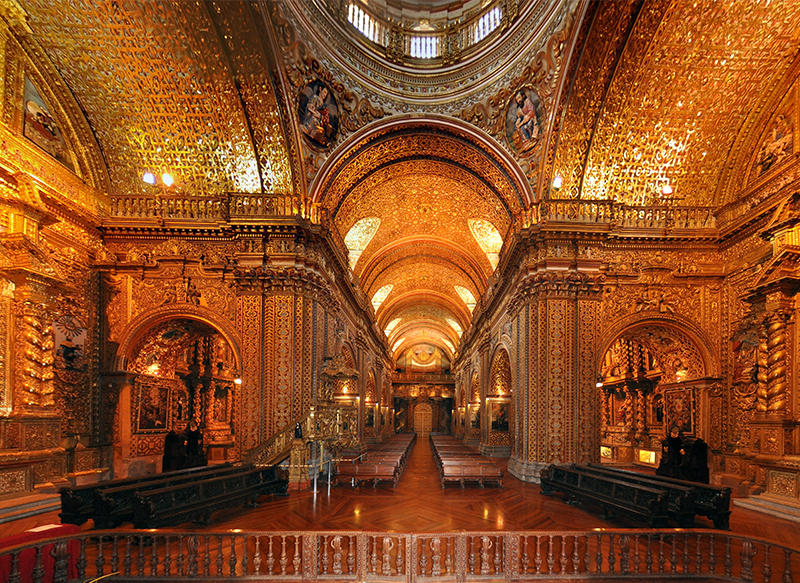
612, 215
233, 206
390, 556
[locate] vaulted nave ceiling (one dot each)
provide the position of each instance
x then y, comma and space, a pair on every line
422, 177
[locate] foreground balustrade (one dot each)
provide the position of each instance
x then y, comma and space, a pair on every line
390, 556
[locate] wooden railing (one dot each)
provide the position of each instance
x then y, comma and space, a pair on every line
619, 216
662, 555
233, 206
277, 447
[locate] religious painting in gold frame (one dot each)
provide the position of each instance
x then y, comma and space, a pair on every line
40, 127
318, 113
679, 409
524, 119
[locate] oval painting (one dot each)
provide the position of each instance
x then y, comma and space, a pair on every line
524, 117
318, 114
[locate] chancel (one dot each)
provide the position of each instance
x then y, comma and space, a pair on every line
397, 255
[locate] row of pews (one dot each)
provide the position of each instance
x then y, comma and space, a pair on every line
169, 498
385, 462
460, 463
652, 499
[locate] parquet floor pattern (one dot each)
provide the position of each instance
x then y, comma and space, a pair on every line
419, 504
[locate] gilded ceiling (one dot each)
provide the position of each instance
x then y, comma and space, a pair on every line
634, 96
663, 94
178, 87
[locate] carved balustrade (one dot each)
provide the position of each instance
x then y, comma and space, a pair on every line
234, 206
411, 557
615, 216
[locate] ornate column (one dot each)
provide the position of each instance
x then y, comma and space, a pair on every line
561, 420
30, 422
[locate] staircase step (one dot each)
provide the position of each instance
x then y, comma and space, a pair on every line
24, 507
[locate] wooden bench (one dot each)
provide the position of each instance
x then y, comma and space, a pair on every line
364, 471
460, 463
382, 462
680, 498
713, 502
113, 506
197, 501
465, 471
77, 502
635, 501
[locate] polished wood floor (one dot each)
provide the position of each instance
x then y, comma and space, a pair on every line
419, 504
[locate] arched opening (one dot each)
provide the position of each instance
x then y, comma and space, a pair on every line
371, 410
499, 406
652, 383
183, 378
472, 432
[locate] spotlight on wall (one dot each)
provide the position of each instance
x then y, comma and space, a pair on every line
557, 181
167, 179
666, 190
149, 178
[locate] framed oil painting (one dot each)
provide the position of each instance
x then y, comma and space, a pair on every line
679, 409
524, 118
153, 407
499, 415
319, 115
475, 417
40, 128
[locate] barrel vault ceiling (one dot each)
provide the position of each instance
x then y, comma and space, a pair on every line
635, 95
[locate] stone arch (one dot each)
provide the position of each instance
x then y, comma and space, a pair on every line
512, 178
370, 394
652, 369
474, 388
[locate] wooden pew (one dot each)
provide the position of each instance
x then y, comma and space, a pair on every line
680, 498
636, 501
464, 471
713, 502
363, 471
77, 502
381, 462
460, 463
196, 501
113, 506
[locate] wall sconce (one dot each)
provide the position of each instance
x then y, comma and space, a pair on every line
557, 182
599, 382
237, 381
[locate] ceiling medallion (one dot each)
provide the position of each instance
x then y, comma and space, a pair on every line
524, 118
318, 112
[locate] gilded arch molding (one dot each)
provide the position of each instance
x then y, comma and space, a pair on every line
676, 323
490, 162
137, 328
